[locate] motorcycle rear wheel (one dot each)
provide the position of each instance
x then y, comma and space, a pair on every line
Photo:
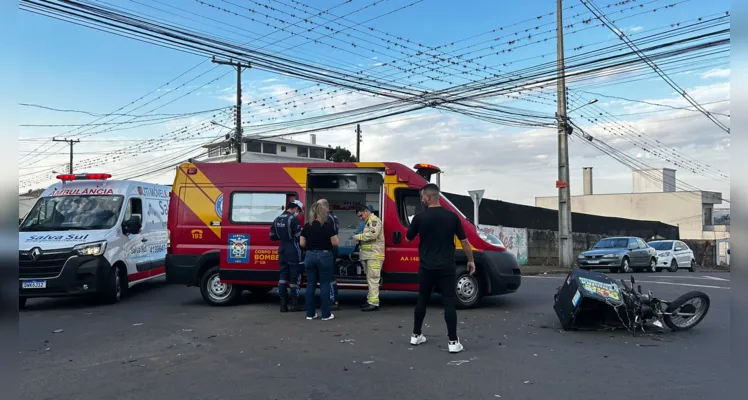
683, 304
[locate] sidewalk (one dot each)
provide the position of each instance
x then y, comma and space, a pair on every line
542, 270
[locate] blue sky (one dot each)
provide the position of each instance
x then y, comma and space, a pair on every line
66, 66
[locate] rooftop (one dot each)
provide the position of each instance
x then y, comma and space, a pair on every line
277, 140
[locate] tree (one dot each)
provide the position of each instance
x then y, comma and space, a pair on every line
340, 154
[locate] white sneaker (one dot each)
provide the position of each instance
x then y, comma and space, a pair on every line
455, 347
311, 318
415, 340
332, 316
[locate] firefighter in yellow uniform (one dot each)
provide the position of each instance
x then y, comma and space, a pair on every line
371, 255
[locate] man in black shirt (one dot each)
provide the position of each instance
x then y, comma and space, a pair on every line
437, 228
286, 229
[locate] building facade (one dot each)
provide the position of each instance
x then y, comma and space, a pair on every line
258, 149
691, 211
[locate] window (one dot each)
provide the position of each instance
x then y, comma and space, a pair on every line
302, 151
270, 148
256, 208
254, 147
134, 207
612, 243
680, 246
73, 212
225, 149
214, 152
633, 244
661, 245
283, 149
408, 204
642, 244
317, 153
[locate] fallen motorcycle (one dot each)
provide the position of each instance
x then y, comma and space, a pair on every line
592, 300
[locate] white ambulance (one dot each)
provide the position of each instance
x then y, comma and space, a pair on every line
88, 235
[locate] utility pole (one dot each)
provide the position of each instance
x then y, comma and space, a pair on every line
565, 245
239, 66
71, 142
358, 142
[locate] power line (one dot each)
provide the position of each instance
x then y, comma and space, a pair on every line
609, 24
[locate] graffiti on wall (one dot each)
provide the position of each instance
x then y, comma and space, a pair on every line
514, 239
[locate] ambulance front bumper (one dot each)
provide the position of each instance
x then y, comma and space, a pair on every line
76, 276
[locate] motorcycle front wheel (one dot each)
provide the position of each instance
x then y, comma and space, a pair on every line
686, 311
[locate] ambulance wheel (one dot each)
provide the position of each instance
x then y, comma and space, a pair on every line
113, 286
468, 289
215, 292
21, 302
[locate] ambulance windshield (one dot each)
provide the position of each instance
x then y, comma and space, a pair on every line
61, 213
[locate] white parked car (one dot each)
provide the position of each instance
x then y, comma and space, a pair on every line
673, 254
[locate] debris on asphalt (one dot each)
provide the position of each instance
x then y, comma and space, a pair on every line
348, 341
57, 331
137, 324
187, 330
526, 382
368, 362
458, 362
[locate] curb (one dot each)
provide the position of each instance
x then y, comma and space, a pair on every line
545, 272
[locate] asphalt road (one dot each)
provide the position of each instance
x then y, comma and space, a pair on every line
163, 342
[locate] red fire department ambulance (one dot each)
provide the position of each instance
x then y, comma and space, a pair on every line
220, 216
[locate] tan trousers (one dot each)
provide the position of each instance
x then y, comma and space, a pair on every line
373, 270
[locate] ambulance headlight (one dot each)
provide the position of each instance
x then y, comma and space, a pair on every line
90, 249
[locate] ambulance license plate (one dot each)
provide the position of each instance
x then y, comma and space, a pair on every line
33, 284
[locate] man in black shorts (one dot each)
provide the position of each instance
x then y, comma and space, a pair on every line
437, 228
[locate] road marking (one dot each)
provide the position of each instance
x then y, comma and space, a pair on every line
545, 276
712, 278
687, 284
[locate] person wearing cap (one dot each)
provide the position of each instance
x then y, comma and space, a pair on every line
286, 229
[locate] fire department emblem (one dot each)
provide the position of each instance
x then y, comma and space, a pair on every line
238, 251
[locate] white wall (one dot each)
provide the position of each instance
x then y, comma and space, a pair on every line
682, 209
514, 239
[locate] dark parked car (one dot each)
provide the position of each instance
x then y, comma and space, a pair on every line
619, 254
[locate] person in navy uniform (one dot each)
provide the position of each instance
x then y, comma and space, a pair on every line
287, 229
334, 284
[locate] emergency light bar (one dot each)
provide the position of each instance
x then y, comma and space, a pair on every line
432, 167
426, 170
82, 177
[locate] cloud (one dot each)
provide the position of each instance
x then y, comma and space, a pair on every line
716, 73
512, 164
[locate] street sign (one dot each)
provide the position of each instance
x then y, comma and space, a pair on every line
476, 195
561, 185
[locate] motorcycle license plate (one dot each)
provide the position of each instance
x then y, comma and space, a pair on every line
33, 284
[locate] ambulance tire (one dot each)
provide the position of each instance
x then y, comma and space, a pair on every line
114, 284
468, 288
215, 293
